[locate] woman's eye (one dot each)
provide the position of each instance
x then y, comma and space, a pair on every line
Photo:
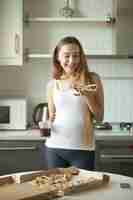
73, 56
66, 56
76, 56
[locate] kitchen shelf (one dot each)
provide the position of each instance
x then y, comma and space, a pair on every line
39, 55
110, 56
52, 26
106, 20
117, 78
29, 55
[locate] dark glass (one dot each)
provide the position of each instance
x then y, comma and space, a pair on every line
45, 132
4, 114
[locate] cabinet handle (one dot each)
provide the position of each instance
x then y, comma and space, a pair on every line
17, 43
107, 156
17, 148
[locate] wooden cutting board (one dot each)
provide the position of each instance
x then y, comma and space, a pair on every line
28, 191
8, 179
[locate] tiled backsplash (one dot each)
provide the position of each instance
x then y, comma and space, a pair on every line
117, 78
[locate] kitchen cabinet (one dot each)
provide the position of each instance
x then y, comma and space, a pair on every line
21, 155
43, 20
11, 32
114, 154
124, 27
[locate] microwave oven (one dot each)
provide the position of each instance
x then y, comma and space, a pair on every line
13, 113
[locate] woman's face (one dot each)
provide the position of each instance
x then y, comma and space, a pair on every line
69, 58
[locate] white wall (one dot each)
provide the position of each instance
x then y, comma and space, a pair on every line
117, 75
118, 88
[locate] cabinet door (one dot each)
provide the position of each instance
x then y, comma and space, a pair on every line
124, 27
114, 156
11, 20
19, 156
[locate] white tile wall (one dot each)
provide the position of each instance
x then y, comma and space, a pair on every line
118, 100
117, 79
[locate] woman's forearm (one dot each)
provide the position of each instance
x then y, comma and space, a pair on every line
95, 107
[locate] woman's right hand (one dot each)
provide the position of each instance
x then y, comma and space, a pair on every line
81, 89
52, 116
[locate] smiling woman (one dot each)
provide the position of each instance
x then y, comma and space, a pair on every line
75, 98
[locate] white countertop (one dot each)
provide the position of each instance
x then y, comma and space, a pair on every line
33, 134
109, 192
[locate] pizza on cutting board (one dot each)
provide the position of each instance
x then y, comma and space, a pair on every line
68, 180
59, 178
47, 184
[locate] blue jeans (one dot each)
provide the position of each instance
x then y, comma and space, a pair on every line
64, 158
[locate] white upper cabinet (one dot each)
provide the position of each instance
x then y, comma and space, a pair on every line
11, 29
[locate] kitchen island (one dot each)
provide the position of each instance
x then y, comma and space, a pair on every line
21, 151
118, 187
